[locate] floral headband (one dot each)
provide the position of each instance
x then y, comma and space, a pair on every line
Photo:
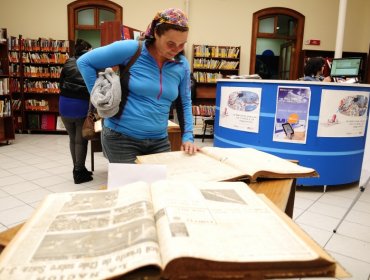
171, 16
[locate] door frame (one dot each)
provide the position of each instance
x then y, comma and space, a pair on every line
73, 7
298, 37
283, 64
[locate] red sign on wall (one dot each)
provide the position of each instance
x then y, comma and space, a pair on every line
313, 42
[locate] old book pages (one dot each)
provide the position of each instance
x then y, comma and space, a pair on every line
226, 164
85, 235
174, 229
258, 164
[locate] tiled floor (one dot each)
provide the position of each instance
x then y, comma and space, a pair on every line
33, 166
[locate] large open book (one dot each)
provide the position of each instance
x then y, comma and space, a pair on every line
167, 229
226, 164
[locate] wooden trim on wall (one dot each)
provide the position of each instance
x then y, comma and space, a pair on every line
78, 4
298, 38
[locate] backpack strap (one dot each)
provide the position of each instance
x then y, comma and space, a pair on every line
124, 79
132, 60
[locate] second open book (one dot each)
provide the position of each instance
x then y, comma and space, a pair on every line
226, 164
179, 230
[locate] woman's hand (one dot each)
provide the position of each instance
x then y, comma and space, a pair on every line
189, 148
327, 79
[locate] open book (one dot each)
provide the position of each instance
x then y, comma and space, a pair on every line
226, 164
167, 229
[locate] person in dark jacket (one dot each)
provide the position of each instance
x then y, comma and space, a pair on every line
73, 108
313, 70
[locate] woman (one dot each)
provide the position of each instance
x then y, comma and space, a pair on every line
73, 107
314, 70
160, 75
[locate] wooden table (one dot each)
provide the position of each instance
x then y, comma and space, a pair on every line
280, 191
174, 135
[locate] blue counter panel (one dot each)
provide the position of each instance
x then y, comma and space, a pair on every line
338, 160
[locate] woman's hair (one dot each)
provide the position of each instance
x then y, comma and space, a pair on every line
163, 28
81, 47
163, 21
313, 65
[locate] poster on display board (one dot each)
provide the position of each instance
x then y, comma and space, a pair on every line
343, 113
292, 112
240, 108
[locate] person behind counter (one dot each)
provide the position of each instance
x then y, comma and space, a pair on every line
313, 70
160, 75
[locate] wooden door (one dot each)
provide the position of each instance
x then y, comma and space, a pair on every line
286, 61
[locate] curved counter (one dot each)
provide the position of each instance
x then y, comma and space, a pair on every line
328, 121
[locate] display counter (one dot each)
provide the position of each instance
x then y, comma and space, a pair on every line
322, 125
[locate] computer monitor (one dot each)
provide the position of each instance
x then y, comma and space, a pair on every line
345, 67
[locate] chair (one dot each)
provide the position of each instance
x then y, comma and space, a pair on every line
206, 123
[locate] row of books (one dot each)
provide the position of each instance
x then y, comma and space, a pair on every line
41, 86
2, 35
204, 63
43, 121
198, 125
14, 85
4, 86
45, 58
5, 108
53, 58
16, 104
13, 57
204, 77
216, 51
14, 70
42, 71
37, 105
41, 44
28, 86
35, 71
204, 110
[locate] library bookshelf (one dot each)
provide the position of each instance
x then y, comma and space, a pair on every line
209, 64
34, 71
6, 113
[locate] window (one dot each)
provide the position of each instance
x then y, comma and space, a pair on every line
85, 18
277, 36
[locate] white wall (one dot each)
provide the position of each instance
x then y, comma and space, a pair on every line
219, 22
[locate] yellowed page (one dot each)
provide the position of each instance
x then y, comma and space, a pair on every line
222, 221
197, 167
251, 161
96, 234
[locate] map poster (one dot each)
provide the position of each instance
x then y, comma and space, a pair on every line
343, 113
291, 118
240, 108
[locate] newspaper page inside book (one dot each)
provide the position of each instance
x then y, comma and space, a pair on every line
89, 235
197, 167
251, 161
222, 221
